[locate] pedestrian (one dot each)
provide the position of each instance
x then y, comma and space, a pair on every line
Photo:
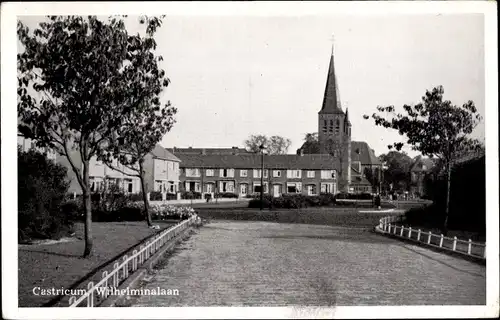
378, 201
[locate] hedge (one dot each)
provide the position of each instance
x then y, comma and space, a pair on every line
226, 195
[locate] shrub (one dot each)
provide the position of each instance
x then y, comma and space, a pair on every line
134, 197
42, 188
226, 195
73, 209
171, 196
190, 195
166, 211
255, 203
155, 196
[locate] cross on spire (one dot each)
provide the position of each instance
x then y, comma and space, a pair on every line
332, 39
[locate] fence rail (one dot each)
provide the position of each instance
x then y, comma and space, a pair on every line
468, 247
111, 280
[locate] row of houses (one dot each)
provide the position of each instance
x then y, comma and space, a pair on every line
210, 172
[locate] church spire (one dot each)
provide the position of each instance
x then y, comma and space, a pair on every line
331, 99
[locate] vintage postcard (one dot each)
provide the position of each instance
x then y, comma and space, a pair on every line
249, 160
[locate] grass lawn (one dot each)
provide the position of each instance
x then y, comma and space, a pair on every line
340, 216
60, 265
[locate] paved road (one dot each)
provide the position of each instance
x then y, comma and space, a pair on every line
228, 263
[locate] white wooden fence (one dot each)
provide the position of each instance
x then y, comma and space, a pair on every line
121, 270
467, 247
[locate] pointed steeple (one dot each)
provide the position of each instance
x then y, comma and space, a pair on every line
331, 99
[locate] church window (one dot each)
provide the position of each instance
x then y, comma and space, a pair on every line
324, 126
337, 126
331, 126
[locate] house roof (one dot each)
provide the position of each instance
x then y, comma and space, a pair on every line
253, 161
331, 99
208, 151
162, 153
360, 180
366, 154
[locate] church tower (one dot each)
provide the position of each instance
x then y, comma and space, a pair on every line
334, 127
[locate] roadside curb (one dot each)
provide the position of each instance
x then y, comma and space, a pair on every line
432, 247
135, 278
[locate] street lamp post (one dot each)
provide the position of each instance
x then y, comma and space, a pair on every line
261, 147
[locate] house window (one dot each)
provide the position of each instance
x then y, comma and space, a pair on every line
256, 187
226, 186
327, 174
311, 189
293, 187
276, 173
129, 186
310, 174
243, 173
209, 187
327, 188
227, 173
192, 172
293, 174
192, 186
210, 172
257, 173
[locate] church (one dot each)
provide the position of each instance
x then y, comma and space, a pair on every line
334, 138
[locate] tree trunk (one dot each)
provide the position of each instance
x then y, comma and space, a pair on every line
87, 207
144, 195
447, 212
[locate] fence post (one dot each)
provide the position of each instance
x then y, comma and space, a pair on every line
418, 234
134, 260
115, 275
454, 243
90, 297
429, 239
125, 267
469, 249
104, 275
409, 233
402, 230
389, 228
441, 241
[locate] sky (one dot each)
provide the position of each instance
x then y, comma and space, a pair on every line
233, 76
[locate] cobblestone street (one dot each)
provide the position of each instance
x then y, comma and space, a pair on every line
270, 264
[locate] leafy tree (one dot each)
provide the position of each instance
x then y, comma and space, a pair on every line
88, 76
274, 144
311, 144
436, 128
398, 168
138, 137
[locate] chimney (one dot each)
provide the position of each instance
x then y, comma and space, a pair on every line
235, 150
300, 152
174, 149
203, 151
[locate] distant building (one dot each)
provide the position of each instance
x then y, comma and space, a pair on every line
421, 169
161, 167
241, 174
